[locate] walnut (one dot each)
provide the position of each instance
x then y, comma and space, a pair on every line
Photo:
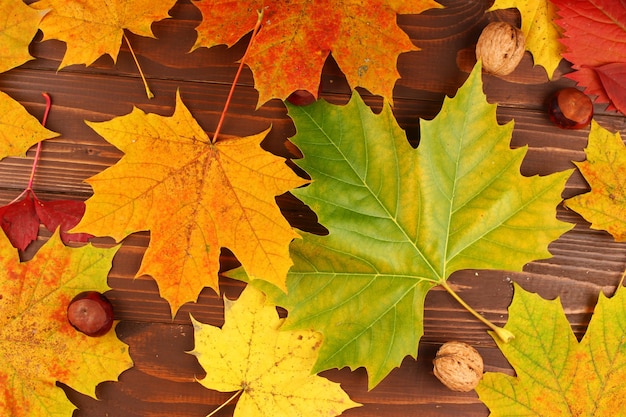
501, 47
458, 366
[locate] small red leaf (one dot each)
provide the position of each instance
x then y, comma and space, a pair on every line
20, 223
64, 214
20, 220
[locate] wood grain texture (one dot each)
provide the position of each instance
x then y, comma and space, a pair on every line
162, 383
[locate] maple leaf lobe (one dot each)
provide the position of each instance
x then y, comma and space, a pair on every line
18, 27
95, 28
612, 77
19, 130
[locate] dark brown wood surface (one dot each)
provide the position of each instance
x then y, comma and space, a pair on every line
162, 382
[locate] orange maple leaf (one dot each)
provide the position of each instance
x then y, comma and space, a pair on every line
297, 37
95, 28
38, 346
18, 26
194, 197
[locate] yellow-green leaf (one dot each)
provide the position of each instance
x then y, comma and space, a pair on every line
605, 171
541, 32
270, 366
38, 346
555, 375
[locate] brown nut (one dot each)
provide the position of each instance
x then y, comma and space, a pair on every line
501, 47
458, 366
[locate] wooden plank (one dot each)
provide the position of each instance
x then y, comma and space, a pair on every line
162, 383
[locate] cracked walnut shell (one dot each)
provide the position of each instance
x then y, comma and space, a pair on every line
501, 47
458, 366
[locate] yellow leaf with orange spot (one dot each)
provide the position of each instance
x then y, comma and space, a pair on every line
555, 375
194, 197
38, 346
605, 170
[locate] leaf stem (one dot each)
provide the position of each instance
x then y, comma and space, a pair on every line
226, 403
504, 335
257, 26
143, 78
621, 281
33, 170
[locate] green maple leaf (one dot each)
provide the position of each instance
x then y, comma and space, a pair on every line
402, 220
556, 375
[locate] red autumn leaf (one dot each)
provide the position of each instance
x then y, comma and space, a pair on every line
297, 37
20, 223
594, 34
20, 220
63, 214
613, 78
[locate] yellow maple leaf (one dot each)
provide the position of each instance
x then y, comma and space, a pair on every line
96, 27
38, 346
194, 197
18, 26
19, 130
269, 366
605, 170
541, 32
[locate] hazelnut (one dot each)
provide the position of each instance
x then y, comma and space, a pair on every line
458, 366
501, 47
